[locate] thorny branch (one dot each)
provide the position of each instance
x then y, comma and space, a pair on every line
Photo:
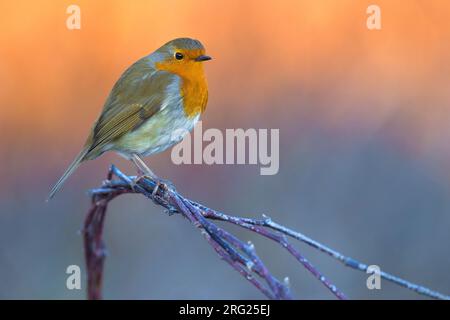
239, 255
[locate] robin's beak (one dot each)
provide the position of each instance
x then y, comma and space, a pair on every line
202, 58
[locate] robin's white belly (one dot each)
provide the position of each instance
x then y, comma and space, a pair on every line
164, 129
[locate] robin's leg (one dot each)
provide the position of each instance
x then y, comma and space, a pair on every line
142, 167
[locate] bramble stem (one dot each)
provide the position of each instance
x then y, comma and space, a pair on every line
239, 255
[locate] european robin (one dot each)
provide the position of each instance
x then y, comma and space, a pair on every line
155, 97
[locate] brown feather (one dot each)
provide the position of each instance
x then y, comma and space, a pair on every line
137, 95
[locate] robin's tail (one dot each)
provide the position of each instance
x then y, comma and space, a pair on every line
73, 166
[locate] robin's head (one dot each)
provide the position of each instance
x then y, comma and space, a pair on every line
182, 56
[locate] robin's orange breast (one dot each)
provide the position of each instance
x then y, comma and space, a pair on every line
195, 96
193, 88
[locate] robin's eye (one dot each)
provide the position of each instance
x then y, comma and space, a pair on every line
179, 56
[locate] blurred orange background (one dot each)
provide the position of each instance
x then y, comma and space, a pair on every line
310, 68
54, 81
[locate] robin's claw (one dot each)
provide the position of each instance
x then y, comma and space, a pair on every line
162, 184
136, 180
133, 184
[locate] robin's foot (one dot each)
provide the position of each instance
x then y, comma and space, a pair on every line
159, 184
136, 180
162, 184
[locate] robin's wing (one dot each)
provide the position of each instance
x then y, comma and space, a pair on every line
137, 95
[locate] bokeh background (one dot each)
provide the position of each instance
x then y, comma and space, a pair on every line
364, 153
